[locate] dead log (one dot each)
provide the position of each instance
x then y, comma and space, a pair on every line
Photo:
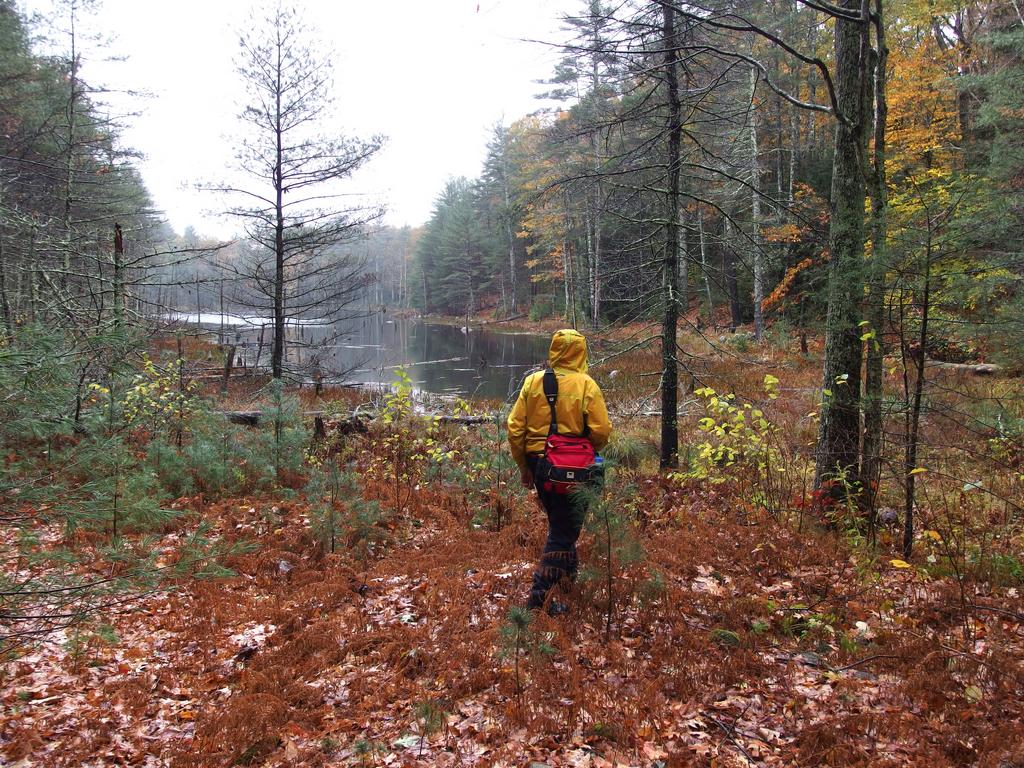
245, 418
504, 319
345, 424
978, 369
467, 420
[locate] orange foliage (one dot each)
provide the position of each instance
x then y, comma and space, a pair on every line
781, 291
922, 129
784, 233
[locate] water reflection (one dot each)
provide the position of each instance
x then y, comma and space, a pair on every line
438, 358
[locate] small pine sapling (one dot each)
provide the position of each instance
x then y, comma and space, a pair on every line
515, 636
289, 434
85, 640
430, 717
119, 492
502, 467
364, 532
518, 639
326, 487
611, 520
342, 517
366, 750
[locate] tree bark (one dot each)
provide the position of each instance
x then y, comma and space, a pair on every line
119, 294
755, 213
914, 412
731, 284
229, 364
704, 266
670, 374
4, 302
871, 461
69, 175
683, 265
837, 454
277, 351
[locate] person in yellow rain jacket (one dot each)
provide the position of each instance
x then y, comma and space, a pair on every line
580, 410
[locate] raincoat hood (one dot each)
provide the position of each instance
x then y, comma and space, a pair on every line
568, 351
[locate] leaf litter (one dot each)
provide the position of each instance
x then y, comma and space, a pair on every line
307, 666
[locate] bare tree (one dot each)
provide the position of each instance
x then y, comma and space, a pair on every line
293, 208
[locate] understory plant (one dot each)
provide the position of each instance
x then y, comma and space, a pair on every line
744, 446
488, 472
518, 640
611, 519
83, 412
396, 465
341, 517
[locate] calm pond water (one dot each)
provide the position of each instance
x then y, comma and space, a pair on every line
441, 358
438, 358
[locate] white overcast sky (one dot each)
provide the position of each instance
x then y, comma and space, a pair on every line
434, 76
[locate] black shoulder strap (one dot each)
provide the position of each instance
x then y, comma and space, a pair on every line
551, 394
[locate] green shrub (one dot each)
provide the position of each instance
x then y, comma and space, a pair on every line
121, 495
104, 400
171, 468
741, 341
281, 443
1005, 569
629, 451
611, 518
214, 461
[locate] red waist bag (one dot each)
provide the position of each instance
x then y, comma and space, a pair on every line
568, 460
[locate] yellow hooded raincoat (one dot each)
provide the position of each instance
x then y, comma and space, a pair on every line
578, 395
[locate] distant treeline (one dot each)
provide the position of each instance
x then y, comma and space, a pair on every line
567, 214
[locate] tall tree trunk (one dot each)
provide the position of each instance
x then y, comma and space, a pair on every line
69, 171
4, 302
755, 213
704, 265
670, 374
731, 283
570, 290
510, 236
871, 462
913, 418
277, 352
569, 267
222, 334
839, 429
511, 264
596, 197
119, 292
588, 225
33, 276
683, 265
598, 255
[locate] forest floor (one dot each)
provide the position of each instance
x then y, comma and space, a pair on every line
764, 647
734, 638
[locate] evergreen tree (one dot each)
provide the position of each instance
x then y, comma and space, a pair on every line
456, 254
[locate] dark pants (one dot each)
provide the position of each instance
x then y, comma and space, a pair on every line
565, 521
